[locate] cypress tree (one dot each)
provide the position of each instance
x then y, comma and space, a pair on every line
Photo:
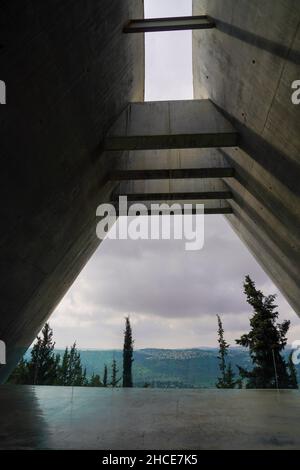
227, 378
127, 355
266, 340
223, 346
114, 373
105, 376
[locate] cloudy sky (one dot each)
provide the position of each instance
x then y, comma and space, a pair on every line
171, 295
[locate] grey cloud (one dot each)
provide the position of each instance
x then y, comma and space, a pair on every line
172, 295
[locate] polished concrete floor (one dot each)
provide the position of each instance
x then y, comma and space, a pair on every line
91, 418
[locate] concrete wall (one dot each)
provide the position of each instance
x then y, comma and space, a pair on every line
246, 66
69, 72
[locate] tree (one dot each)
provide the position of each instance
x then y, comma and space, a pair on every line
127, 355
266, 340
76, 372
20, 375
114, 373
43, 366
46, 368
71, 371
227, 379
63, 376
105, 376
230, 380
95, 381
223, 347
292, 372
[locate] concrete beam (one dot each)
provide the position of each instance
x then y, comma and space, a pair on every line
207, 211
168, 24
172, 196
182, 173
170, 159
170, 125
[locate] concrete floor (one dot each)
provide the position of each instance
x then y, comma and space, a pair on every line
87, 418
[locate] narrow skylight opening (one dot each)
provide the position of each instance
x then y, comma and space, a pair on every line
168, 55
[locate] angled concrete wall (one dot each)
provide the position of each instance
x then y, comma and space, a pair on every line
69, 72
246, 66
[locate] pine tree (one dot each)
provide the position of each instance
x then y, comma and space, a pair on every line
84, 380
64, 369
20, 376
43, 366
114, 373
266, 340
127, 355
75, 367
227, 379
105, 376
71, 370
46, 368
95, 381
292, 372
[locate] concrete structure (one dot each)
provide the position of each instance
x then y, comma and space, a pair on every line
168, 24
170, 125
85, 418
74, 120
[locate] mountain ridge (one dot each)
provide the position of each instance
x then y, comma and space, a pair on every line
167, 368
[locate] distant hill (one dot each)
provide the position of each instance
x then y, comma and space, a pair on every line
165, 368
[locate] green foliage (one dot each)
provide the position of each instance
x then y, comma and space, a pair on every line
20, 375
43, 366
227, 379
127, 355
164, 368
266, 340
95, 381
105, 376
71, 372
114, 374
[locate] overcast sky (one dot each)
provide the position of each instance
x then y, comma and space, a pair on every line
171, 295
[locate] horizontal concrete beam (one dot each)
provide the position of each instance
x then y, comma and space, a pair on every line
207, 211
171, 125
203, 195
120, 175
168, 24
